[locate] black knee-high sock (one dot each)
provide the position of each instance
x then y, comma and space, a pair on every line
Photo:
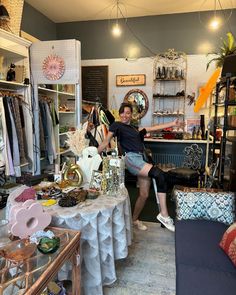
160, 178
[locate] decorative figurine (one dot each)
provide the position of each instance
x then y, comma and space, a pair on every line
11, 74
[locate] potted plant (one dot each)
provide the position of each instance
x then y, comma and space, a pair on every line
228, 47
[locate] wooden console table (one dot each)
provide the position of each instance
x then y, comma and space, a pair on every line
35, 273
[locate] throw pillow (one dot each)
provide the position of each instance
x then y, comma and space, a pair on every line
228, 242
210, 204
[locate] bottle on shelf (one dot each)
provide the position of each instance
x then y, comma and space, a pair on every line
194, 133
202, 125
199, 133
163, 73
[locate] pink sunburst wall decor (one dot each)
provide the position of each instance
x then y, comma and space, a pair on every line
53, 67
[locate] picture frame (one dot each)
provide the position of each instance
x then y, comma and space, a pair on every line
190, 123
131, 80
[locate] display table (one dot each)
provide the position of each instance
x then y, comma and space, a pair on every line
106, 232
32, 275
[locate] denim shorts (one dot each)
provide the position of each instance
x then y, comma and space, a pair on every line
134, 162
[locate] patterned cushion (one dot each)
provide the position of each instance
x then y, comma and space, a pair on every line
228, 242
211, 204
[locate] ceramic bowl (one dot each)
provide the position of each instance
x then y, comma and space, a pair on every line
47, 245
18, 250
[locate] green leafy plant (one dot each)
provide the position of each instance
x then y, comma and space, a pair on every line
228, 47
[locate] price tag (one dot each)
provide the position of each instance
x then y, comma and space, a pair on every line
57, 177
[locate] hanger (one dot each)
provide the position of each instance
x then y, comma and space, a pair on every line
91, 102
46, 98
6, 91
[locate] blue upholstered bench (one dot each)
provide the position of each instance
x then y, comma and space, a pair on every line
202, 267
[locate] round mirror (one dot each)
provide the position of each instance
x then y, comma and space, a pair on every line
139, 101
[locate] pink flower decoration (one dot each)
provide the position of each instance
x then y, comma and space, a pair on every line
28, 218
53, 67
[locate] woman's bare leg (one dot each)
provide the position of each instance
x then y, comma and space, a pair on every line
144, 187
163, 205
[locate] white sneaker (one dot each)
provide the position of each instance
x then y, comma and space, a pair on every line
167, 222
137, 223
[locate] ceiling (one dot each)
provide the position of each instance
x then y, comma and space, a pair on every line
81, 10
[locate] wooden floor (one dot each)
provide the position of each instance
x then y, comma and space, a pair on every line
150, 267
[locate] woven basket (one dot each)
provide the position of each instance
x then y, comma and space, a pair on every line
15, 10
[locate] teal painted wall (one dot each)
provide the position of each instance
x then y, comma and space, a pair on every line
37, 24
147, 35
184, 32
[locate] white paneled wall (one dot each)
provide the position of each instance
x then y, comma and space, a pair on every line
196, 77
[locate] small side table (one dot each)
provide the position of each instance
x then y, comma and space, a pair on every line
37, 274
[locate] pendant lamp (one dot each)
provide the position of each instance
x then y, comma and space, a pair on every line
221, 15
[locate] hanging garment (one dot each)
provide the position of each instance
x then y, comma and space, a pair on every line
98, 134
8, 122
53, 112
23, 107
15, 150
51, 144
17, 117
6, 151
2, 145
41, 136
106, 116
48, 131
44, 119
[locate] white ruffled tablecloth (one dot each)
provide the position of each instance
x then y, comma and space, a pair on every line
106, 233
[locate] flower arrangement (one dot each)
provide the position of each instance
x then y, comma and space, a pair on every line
77, 140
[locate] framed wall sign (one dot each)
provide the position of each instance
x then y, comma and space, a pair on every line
130, 80
95, 84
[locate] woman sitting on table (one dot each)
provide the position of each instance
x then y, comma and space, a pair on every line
131, 141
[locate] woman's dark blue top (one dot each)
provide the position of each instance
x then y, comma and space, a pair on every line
129, 137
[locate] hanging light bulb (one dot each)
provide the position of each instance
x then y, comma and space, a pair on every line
116, 30
215, 23
219, 18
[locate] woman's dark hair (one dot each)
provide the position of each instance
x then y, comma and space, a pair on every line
125, 105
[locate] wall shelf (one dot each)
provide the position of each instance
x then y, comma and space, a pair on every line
46, 90
169, 86
12, 85
67, 119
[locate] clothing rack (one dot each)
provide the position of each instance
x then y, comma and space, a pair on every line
91, 102
8, 89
